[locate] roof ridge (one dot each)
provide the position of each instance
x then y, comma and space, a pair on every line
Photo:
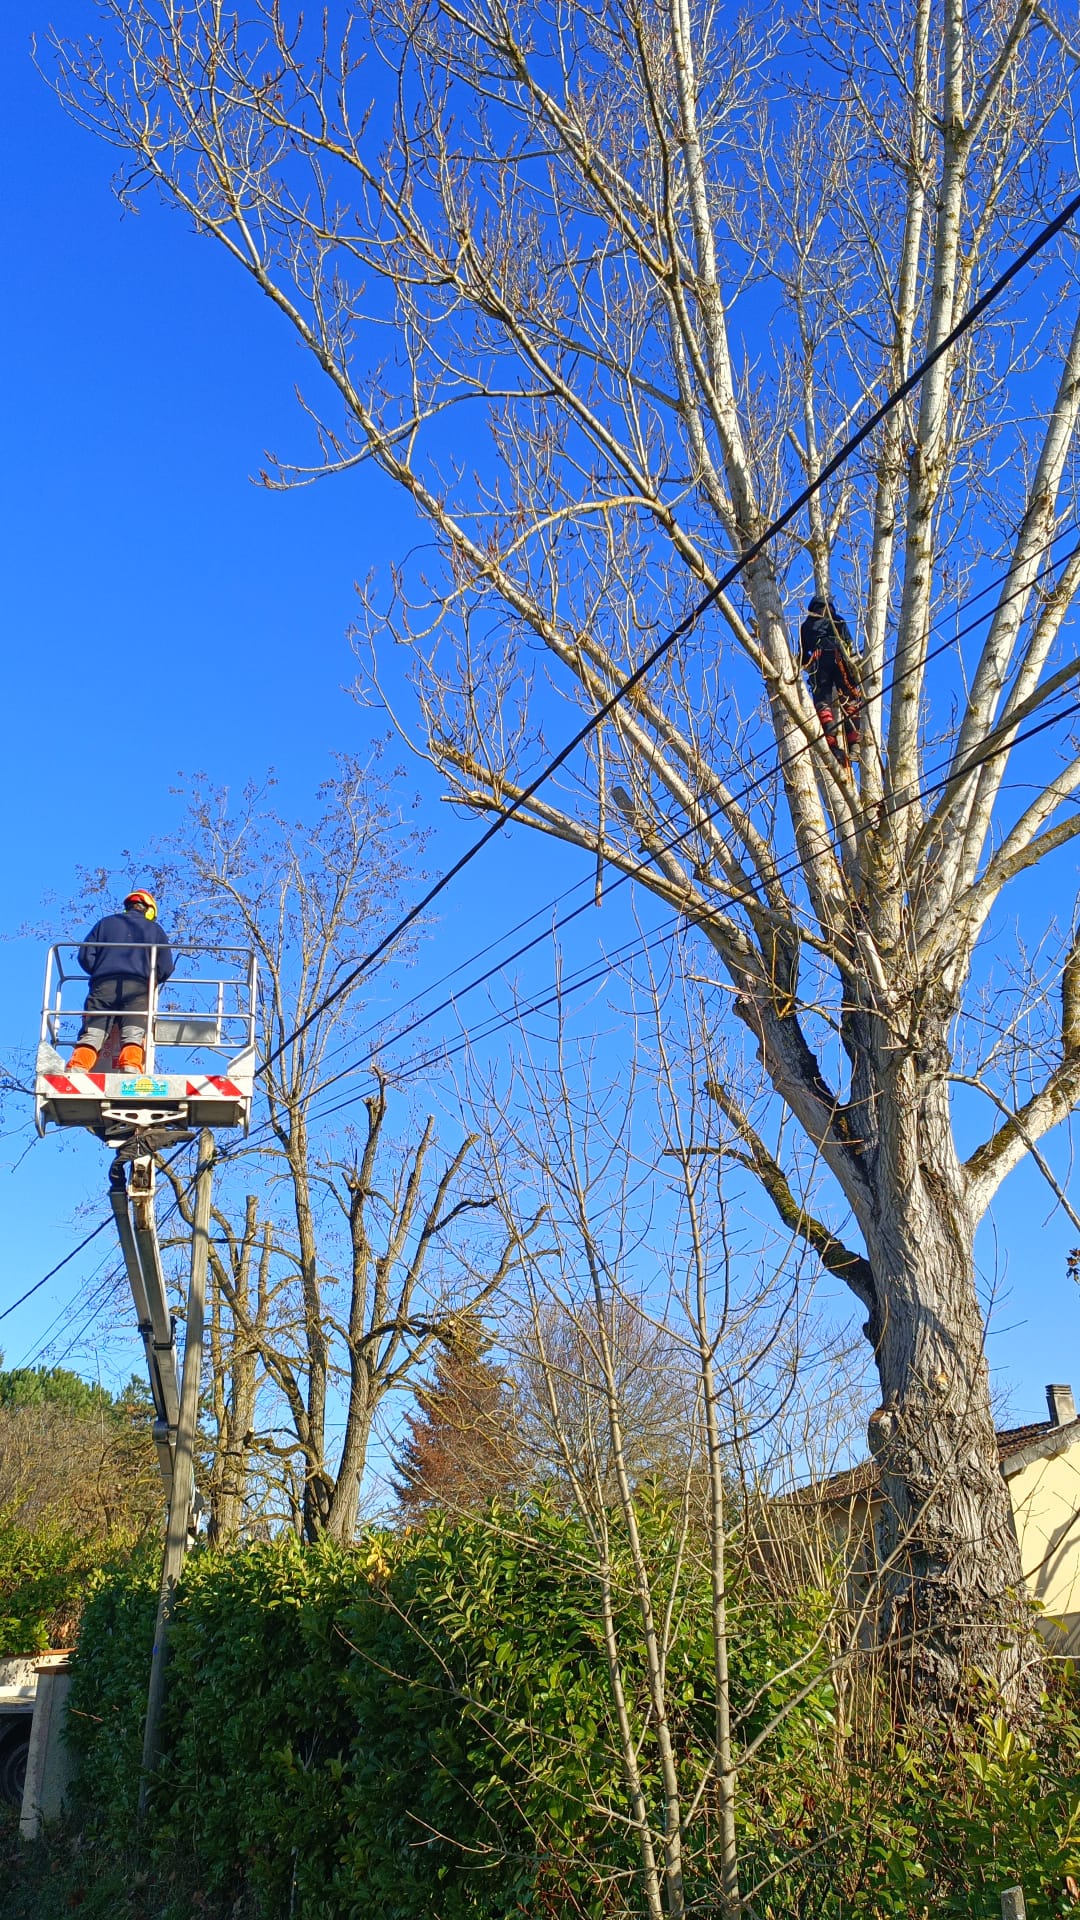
864, 1473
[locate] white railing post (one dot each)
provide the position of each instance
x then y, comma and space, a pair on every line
151, 1012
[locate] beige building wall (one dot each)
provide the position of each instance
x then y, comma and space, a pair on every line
1045, 1497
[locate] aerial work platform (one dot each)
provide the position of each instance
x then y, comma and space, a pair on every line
198, 1032
200, 1050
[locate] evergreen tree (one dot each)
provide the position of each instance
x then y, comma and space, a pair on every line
52, 1386
462, 1447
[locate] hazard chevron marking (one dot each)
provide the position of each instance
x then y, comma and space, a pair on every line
78, 1082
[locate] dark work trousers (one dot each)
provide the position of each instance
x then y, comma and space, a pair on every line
114, 996
837, 704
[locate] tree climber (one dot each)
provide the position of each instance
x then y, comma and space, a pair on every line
116, 955
831, 663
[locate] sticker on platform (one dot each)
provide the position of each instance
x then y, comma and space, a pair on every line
143, 1086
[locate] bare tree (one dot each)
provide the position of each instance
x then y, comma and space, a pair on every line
659, 263
560, 1378
90, 1471
664, 1358
347, 1250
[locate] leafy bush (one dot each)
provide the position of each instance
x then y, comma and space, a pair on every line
420, 1727
414, 1725
79, 1486
936, 1825
45, 1572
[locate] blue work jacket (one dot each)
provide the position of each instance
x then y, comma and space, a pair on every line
118, 948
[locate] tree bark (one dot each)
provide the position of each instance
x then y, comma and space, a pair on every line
953, 1589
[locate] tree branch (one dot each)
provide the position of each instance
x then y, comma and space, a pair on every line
853, 1268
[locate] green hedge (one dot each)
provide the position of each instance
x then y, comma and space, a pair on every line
420, 1729
411, 1727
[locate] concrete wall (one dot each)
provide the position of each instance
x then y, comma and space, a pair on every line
49, 1766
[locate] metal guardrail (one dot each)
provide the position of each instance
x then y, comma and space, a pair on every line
195, 1010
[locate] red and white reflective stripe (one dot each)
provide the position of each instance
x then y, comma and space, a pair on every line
176, 1087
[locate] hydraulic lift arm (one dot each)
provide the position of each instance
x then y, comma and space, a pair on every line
176, 1408
133, 1208
206, 1035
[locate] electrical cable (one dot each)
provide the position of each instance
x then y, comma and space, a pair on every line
46, 1277
678, 632
738, 799
588, 975
99, 1300
645, 943
585, 977
55, 1325
689, 620
171, 1209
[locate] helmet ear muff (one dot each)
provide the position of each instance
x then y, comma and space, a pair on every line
150, 912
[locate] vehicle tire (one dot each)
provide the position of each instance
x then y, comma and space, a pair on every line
14, 1753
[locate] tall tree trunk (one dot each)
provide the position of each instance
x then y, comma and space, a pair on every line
233, 1463
953, 1583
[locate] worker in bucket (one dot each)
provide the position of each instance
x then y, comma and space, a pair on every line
116, 954
831, 664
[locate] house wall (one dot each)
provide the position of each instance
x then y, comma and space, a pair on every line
1045, 1497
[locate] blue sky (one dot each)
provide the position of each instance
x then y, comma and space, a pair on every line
163, 615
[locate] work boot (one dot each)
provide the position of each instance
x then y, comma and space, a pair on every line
82, 1060
132, 1059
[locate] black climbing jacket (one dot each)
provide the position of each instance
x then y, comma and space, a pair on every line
828, 653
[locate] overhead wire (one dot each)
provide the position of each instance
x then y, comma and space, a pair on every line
780, 764
220, 1153
589, 975
53, 1271
627, 685
548, 931
584, 978
690, 619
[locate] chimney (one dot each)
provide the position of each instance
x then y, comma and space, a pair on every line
1061, 1404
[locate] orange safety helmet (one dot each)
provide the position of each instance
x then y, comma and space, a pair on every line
140, 898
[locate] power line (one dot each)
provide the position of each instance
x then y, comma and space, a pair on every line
646, 942
780, 764
46, 1277
689, 620
678, 632
171, 1209
577, 983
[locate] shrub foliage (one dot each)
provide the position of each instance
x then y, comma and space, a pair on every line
420, 1727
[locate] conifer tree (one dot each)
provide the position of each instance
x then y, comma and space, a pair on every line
462, 1448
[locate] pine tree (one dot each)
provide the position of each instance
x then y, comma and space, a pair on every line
462, 1448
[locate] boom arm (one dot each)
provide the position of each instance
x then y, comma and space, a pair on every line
133, 1207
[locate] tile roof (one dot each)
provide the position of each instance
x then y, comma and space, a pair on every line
863, 1478
1011, 1439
